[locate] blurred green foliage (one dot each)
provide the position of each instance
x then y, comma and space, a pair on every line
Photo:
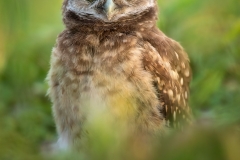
209, 30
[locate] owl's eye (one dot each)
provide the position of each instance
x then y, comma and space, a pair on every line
90, 1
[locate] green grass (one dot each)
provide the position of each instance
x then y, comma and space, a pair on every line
209, 30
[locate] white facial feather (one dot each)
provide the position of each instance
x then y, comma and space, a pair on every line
84, 8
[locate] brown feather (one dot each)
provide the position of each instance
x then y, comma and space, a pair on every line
173, 86
127, 66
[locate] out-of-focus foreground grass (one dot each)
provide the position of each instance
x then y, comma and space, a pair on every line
209, 30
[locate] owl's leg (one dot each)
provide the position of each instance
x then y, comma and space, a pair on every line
62, 124
66, 111
69, 125
63, 142
64, 93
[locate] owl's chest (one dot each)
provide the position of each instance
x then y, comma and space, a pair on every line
105, 80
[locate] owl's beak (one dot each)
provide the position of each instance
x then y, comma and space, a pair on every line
109, 7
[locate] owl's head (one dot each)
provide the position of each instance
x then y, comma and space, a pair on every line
108, 12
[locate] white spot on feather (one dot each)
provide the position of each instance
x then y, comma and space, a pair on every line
186, 95
70, 75
178, 98
177, 55
181, 81
174, 74
170, 93
186, 73
183, 65
71, 49
111, 44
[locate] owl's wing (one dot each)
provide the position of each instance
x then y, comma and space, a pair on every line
169, 66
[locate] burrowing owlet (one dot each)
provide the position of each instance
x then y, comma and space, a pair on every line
112, 61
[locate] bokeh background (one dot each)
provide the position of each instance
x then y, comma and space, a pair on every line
209, 30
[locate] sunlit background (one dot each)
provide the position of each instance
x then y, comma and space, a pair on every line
209, 30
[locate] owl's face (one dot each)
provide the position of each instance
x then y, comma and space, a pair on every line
108, 11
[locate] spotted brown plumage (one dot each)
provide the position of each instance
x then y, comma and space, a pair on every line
112, 61
171, 75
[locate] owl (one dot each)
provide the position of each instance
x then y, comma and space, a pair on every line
112, 62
